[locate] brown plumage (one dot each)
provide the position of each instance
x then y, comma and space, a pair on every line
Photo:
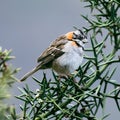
64, 55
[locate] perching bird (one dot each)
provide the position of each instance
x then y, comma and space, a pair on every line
64, 55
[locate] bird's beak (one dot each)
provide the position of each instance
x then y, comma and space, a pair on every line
85, 40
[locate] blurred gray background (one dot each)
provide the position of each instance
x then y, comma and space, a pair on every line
29, 26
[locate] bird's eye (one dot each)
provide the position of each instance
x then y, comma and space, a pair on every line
77, 36
74, 36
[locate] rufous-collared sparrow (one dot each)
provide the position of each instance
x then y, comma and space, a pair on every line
64, 55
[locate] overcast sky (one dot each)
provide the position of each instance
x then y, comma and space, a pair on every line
29, 26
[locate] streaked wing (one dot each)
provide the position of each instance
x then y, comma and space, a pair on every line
50, 54
53, 52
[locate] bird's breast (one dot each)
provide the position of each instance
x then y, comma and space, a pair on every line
70, 60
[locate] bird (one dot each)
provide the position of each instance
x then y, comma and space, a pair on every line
64, 55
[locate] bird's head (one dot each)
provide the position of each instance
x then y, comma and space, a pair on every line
77, 36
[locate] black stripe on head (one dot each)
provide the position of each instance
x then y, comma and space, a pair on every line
78, 34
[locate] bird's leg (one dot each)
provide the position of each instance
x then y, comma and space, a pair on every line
68, 76
73, 75
62, 76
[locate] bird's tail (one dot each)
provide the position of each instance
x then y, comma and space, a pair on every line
29, 73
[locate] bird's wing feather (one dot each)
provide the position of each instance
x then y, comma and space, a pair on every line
53, 52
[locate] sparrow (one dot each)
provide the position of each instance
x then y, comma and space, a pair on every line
64, 55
